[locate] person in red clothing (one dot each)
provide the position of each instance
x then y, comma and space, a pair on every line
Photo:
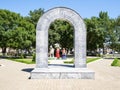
57, 53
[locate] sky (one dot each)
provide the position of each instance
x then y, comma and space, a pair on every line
86, 8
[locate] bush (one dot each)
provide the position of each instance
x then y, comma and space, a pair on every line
34, 57
116, 62
21, 56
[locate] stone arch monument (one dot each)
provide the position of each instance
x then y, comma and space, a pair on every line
42, 70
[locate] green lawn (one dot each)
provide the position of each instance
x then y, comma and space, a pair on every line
116, 62
92, 59
88, 60
27, 61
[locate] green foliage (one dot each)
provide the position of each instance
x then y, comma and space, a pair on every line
61, 32
33, 19
69, 62
102, 30
34, 57
88, 60
116, 45
92, 59
34, 16
116, 62
15, 31
19, 32
27, 61
21, 56
8, 22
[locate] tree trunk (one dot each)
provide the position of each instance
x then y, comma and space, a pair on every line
4, 51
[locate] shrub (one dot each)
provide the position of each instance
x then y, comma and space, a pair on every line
21, 56
34, 57
115, 62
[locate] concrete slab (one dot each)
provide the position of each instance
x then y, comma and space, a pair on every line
62, 73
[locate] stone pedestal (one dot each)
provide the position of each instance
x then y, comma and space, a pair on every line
62, 73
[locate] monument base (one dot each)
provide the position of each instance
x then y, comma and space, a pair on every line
62, 73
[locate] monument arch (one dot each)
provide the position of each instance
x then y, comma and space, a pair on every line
42, 71
42, 35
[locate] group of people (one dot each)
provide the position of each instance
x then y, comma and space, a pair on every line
58, 53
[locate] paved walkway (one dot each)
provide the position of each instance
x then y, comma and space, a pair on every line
15, 76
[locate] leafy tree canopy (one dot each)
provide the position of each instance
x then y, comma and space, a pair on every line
61, 32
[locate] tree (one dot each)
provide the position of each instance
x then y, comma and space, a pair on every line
35, 15
8, 22
15, 31
110, 30
95, 35
61, 32
100, 31
23, 36
33, 19
115, 45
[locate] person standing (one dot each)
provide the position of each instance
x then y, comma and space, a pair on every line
57, 53
51, 51
64, 53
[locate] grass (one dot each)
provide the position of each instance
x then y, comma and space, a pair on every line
88, 60
92, 59
116, 62
69, 62
51, 58
27, 61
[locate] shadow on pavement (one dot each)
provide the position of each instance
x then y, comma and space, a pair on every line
60, 65
27, 69
51, 66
